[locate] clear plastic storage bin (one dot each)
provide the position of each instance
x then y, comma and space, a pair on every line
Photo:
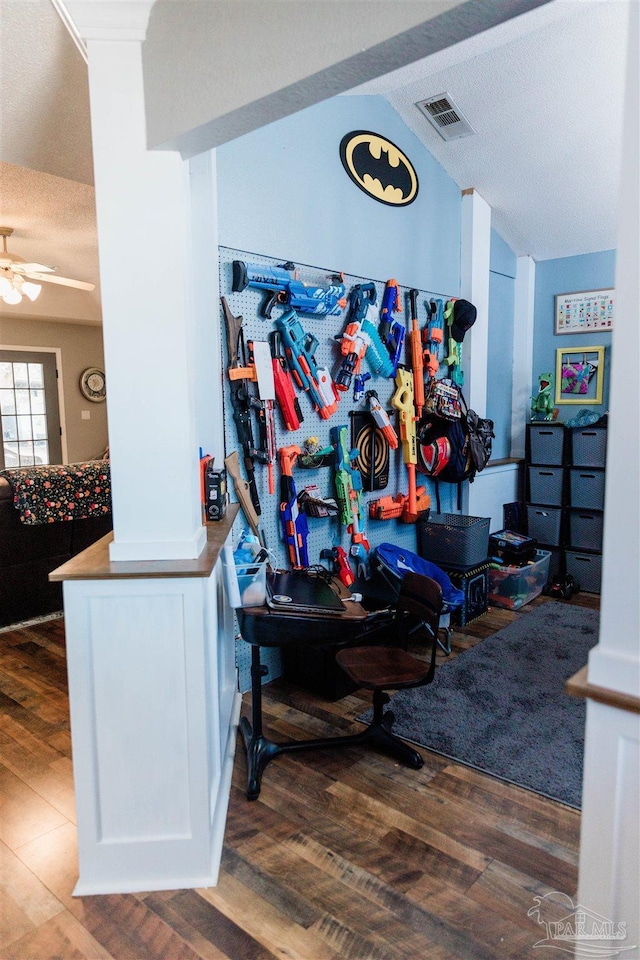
246, 584
512, 587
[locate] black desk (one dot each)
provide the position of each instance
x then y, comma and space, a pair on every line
263, 627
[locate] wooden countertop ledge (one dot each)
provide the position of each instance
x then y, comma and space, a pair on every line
94, 563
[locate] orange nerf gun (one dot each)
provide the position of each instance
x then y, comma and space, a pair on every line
392, 508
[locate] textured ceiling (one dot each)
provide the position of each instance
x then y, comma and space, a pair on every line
543, 91
54, 223
544, 94
46, 163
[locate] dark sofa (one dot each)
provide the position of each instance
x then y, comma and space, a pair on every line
30, 551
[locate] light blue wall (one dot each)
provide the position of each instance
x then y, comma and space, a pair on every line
500, 365
592, 271
283, 193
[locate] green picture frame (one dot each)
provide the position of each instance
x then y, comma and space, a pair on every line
579, 375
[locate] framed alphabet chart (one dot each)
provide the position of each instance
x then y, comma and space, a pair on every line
587, 311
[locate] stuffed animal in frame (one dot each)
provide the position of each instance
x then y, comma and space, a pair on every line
542, 404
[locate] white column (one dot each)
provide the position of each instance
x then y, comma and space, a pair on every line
207, 360
474, 287
610, 847
149, 331
522, 352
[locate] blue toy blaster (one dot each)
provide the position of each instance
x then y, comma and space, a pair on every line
299, 349
284, 287
392, 332
294, 522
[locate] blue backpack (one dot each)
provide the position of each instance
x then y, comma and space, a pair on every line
395, 561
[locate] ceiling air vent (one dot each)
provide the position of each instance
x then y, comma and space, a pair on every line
442, 113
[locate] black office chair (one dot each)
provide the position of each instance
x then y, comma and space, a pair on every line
382, 668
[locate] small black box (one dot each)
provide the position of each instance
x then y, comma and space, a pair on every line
512, 548
475, 585
215, 492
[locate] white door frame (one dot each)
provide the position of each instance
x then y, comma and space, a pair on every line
59, 380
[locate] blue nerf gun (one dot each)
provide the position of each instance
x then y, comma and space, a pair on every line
299, 349
284, 287
392, 332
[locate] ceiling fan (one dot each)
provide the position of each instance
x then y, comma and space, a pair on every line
16, 275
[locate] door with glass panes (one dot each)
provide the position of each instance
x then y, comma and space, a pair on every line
29, 411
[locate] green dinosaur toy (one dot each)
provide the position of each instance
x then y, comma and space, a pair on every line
542, 405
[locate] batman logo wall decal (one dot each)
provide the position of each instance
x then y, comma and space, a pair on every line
379, 167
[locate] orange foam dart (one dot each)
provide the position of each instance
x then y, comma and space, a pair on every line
417, 364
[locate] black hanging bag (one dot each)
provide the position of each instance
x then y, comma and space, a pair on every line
454, 443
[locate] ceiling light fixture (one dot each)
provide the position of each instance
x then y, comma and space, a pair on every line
13, 288
16, 275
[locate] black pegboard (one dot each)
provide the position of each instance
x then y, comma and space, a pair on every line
323, 532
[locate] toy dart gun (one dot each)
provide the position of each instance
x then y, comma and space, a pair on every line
460, 316
392, 333
454, 351
340, 563
381, 419
294, 522
433, 338
240, 376
300, 348
417, 360
402, 400
397, 508
285, 393
284, 287
348, 482
361, 338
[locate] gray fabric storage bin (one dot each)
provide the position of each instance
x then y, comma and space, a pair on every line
546, 443
585, 529
587, 487
585, 568
544, 524
588, 446
545, 485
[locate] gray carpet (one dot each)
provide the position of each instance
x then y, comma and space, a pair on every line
501, 707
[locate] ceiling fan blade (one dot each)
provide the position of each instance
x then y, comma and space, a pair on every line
63, 281
32, 268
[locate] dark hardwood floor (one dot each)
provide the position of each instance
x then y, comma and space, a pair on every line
344, 855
